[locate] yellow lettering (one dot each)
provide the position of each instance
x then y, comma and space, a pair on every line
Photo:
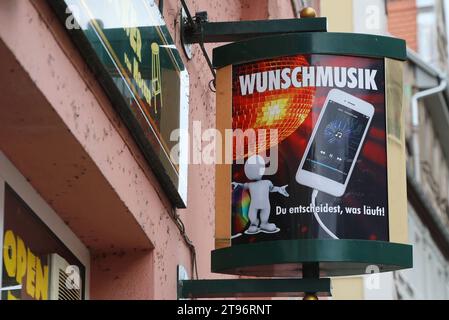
138, 49
9, 253
41, 281
11, 297
31, 274
135, 40
132, 39
21, 260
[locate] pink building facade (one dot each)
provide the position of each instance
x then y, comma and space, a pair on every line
69, 157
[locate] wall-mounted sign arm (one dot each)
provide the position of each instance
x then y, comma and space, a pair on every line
198, 30
187, 19
226, 288
212, 32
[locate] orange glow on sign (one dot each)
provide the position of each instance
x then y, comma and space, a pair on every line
283, 109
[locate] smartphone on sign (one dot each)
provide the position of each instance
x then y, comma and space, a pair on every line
335, 143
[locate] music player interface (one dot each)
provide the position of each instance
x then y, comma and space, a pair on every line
336, 142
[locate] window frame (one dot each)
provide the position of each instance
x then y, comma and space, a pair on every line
10, 175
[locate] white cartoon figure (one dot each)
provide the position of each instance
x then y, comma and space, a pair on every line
259, 191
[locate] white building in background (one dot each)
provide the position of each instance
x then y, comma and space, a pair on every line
427, 38
428, 191
423, 23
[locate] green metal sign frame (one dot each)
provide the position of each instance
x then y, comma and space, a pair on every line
353, 257
310, 258
350, 44
213, 32
287, 257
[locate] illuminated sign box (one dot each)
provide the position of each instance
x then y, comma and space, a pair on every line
128, 46
318, 158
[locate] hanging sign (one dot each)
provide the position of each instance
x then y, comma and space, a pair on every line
330, 179
316, 138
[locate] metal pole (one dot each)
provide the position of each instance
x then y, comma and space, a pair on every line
310, 270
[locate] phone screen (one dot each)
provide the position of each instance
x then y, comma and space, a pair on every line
336, 142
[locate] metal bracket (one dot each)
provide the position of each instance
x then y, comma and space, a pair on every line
187, 47
203, 31
254, 288
187, 22
198, 30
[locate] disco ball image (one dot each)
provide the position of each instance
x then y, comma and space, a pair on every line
281, 109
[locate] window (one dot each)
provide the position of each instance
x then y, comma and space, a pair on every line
427, 38
41, 257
